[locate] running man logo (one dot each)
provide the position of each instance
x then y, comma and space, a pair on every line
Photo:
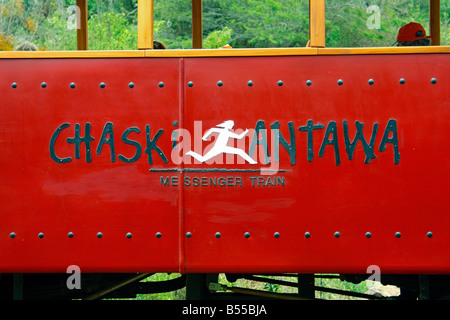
221, 143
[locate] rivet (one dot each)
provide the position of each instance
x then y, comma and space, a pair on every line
43, 85
402, 81
175, 123
247, 235
307, 235
220, 83
368, 235
129, 235
337, 234
250, 83
429, 234
398, 234
14, 85
102, 85
217, 235
190, 84
72, 85
131, 85
309, 82
158, 235
280, 83
99, 235
161, 84
276, 234
70, 234
40, 235
433, 80
340, 82
12, 235
371, 81
188, 235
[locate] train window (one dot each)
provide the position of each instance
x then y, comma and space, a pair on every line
172, 24
238, 23
358, 23
53, 25
255, 24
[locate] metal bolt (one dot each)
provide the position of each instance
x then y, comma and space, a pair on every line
340, 82
371, 81
14, 85
72, 85
12, 235
429, 234
99, 235
402, 81
433, 80
309, 82
280, 83
70, 234
247, 235
188, 235
131, 85
161, 84
175, 123
190, 84
307, 235
337, 234
220, 83
102, 85
368, 235
43, 85
398, 234
276, 234
40, 235
217, 235
158, 235
250, 83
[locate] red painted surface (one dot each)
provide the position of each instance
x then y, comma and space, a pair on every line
321, 197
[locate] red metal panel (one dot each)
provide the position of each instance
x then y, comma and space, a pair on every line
306, 191
84, 196
322, 195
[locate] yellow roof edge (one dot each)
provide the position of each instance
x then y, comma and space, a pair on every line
179, 53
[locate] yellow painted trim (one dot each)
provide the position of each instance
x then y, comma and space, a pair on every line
70, 54
317, 23
231, 52
220, 52
383, 50
145, 24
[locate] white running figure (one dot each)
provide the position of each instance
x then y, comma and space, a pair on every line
221, 143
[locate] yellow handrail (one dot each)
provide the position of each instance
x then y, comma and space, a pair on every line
317, 23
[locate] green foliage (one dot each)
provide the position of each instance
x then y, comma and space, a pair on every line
111, 31
218, 38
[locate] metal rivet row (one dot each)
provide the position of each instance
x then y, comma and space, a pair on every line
336, 234
340, 82
220, 83
99, 235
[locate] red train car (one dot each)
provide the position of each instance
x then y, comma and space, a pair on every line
242, 161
